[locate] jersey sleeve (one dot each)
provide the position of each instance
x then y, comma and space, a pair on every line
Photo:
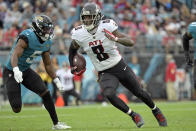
25, 33
192, 29
23, 37
75, 35
110, 25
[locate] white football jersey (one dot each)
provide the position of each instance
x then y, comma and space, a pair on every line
66, 78
102, 51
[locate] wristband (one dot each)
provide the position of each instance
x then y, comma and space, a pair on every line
56, 80
15, 69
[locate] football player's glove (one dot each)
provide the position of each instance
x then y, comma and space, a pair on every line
58, 84
80, 72
17, 74
43, 27
73, 71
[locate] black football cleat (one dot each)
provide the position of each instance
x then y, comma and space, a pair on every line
137, 119
160, 117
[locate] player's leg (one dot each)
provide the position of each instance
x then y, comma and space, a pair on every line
54, 94
33, 82
109, 84
76, 95
65, 97
130, 81
13, 90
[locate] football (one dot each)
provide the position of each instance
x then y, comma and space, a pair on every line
80, 62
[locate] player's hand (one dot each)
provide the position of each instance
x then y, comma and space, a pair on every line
17, 74
73, 69
109, 35
80, 72
58, 84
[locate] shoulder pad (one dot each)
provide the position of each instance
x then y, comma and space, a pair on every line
106, 21
78, 27
193, 24
192, 27
77, 32
27, 32
109, 21
109, 24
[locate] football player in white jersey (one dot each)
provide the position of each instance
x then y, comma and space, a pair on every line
98, 38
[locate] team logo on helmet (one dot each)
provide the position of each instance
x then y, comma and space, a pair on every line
39, 18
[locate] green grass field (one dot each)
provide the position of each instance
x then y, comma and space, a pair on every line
181, 116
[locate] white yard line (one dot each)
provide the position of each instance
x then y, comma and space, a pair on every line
28, 116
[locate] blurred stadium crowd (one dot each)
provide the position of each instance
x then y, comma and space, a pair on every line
155, 25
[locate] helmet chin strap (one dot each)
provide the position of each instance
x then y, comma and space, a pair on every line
92, 30
89, 28
45, 38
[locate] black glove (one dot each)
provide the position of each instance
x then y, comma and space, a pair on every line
189, 62
73, 69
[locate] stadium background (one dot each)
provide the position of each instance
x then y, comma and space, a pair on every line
155, 25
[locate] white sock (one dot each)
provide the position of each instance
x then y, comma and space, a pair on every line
129, 111
154, 107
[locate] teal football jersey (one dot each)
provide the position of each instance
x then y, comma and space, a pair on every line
192, 31
34, 49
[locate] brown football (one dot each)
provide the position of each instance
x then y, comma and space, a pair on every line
80, 62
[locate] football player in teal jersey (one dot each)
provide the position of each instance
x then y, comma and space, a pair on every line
29, 44
190, 34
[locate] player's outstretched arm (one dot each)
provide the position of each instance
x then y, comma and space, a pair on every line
50, 70
20, 46
73, 51
48, 65
18, 51
119, 37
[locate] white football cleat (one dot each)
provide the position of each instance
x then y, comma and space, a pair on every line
60, 126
